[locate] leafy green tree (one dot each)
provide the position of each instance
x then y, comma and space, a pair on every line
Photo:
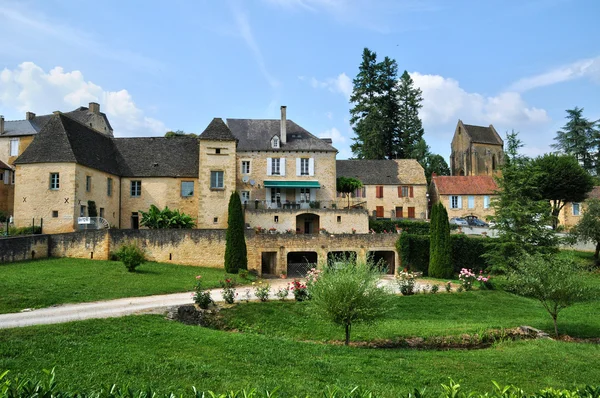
580, 137
563, 180
179, 133
522, 215
347, 185
555, 282
236, 255
410, 127
588, 227
440, 246
350, 294
366, 115
155, 218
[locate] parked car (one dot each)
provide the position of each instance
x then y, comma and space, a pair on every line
476, 222
459, 221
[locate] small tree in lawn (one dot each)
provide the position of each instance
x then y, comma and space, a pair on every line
347, 185
236, 256
440, 249
349, 294
588, 227
131, 255
554, 282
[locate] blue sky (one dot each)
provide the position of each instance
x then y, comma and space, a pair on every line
155, 66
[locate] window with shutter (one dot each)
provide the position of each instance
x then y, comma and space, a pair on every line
411, 212
400, 192
399, 212
379, 211
411, 192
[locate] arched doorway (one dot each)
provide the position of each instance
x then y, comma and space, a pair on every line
307, 223
384, 260
299, 263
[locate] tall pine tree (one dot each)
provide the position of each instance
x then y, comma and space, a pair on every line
410, 127
580, 137
366, 114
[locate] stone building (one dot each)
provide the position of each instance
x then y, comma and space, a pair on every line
464, 195
16, 135
476, 150
392, 188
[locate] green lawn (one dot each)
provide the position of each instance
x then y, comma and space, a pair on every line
43, 283
150, 351
419, 315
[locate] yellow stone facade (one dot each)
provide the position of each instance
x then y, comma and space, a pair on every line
471, 158
479, 209
394, 205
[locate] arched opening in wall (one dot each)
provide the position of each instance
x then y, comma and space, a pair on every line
338, 259
461, 172
299, 263
493, 162
268, 263
384, 260
307, 223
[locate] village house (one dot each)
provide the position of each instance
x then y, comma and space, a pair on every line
16, 135
392, 189
464, 195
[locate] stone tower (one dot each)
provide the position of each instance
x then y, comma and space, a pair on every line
217, 174
476, 150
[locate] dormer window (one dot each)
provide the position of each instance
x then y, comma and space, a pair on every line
275, 142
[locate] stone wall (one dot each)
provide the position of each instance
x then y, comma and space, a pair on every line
82, 244
23, 248
337, 221
391, 200
98, 193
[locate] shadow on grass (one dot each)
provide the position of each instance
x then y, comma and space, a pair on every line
146, 272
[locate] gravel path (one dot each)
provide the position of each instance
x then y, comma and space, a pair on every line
132, 305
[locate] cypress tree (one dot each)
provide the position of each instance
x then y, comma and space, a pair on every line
433, 228
236, 256
440, 261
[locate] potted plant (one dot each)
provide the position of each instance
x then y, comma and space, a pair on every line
322, 231
272, 230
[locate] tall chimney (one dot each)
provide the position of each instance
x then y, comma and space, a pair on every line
29, 115
1, 124
94, 107
283, 133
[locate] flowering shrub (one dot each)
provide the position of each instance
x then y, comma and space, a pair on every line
243, 273
353, 230
466, 277
201, 296
299, 290
434, 289
282, 293
406, 282
228, 291
323, 230
262, 291
485, 282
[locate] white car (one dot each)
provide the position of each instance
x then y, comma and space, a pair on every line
459, 221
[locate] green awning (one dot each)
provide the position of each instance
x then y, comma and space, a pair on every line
292, 184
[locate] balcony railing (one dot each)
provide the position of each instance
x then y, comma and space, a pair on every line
291, 205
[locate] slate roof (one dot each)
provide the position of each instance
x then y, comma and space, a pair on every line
382, 172
64, 140
16, 128
217, 130
483, 135
465, 185
158, 156
256, 134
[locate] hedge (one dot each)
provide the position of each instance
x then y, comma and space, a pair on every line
466, 252
413, 227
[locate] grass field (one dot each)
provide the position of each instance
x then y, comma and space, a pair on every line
148, 350
43, 283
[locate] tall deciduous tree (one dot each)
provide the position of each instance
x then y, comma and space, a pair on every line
236, 256
410, 127
347, 185
366, 114
563, 180
522, 215
580, 137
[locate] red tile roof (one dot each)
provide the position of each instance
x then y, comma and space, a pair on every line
465, 185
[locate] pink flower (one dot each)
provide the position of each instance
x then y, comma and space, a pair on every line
199, 277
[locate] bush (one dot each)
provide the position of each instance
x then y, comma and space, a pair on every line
412, 227
228, 292
155, 218
201, 297
131, 255
406, 283
262, 291
14, 231
349, 294
299, 290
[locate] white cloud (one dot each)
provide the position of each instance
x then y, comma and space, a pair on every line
245, 31
341, 84
29, 88
340, 142
445, 101
589, 68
